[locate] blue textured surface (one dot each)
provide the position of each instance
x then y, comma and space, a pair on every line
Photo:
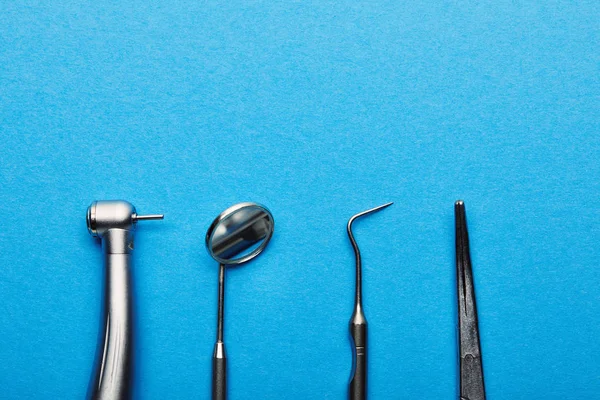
318, 110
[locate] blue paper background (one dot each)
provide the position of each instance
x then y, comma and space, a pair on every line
319, 110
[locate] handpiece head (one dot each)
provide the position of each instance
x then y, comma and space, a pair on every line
113, 214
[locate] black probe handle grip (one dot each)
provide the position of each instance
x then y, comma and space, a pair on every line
358, 384
219, 373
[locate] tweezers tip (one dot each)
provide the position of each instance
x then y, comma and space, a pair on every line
460, 221
460, 212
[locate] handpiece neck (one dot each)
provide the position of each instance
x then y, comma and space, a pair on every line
117, 241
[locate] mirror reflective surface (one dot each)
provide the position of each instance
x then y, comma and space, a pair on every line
240, 233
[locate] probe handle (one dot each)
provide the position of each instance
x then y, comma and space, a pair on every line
112, 375
219, 372
358, 383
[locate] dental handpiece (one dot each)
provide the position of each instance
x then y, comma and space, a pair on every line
114, 222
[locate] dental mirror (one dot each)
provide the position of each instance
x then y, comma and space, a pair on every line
237, 235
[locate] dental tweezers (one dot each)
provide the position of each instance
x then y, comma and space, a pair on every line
471, 368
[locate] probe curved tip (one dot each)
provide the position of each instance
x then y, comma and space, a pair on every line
354, 218
363, 213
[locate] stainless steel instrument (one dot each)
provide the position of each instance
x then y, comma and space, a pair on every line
114, 222
236, 236
471, 368
358, 323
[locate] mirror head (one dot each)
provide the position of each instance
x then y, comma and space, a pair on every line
240, 233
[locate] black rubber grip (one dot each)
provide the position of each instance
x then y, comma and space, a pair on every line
219, 381
358, 384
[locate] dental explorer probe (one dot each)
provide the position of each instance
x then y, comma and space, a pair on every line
114, 222
471, 368
358, 322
